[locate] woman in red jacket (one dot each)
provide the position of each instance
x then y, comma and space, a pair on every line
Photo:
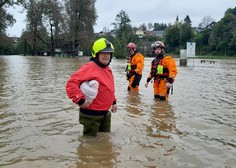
95, 116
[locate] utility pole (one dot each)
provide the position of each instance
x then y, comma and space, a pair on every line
25, 46
52, 40
77, 13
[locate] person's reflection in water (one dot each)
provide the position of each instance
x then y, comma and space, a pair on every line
95, 153
134, 105
162, 121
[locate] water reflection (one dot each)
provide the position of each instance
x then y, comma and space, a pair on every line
96, 152
162, 119
134, 104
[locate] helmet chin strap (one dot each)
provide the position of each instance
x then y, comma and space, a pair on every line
160, 55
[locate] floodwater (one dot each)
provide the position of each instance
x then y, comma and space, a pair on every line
39, 125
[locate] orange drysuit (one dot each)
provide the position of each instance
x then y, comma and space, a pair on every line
134, 71
163, 70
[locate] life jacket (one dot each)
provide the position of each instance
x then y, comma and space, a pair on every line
130, 66
158, 70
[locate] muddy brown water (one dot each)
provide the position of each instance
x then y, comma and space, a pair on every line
39, 125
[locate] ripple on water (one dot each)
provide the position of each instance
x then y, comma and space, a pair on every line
39, 125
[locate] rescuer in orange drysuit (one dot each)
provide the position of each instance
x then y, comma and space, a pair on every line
163, 71
135, 65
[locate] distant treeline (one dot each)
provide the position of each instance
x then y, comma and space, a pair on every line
55, 25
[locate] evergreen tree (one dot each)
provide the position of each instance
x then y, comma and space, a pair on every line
123, 31
187, 20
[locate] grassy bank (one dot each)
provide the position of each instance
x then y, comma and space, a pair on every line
216, 57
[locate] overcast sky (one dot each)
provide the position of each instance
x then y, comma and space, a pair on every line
145, 11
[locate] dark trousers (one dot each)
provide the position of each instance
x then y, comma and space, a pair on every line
95, 123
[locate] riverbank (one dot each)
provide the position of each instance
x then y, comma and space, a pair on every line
216, 57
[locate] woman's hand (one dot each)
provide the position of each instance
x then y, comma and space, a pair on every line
114, 108
85, 104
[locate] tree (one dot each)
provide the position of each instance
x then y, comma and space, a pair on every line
159, 26
23, 47
54, 18
10, 2
123, 30
53, 14
70, 21
202, 37
187, 20
206, 21
172, 38
34, 23
6, 46
81, 16
150, 26
6, 18
231, 11
186, 34
223, 35
143, 27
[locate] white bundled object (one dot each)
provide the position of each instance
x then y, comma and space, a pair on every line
89, 89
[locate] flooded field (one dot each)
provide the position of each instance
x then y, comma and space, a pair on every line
39, 125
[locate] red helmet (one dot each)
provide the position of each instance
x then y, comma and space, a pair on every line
131, 46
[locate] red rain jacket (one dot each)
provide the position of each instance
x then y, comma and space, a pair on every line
106, 89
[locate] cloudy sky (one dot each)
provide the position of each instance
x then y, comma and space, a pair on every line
145, 11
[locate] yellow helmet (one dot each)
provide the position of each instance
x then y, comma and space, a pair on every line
102, 45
